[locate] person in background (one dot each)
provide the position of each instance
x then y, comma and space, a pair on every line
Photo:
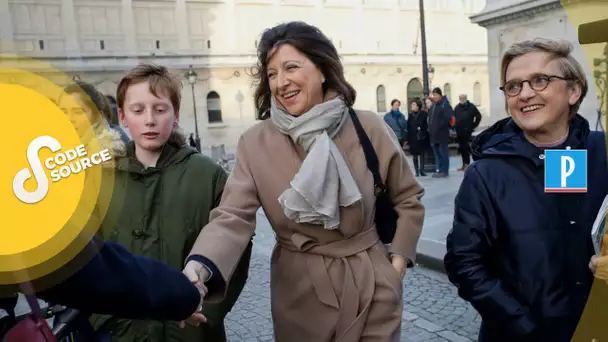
397, 122
428, 104
440, 115
418, 135
519, 255
87, 109
111, 115
332, 278
163, 194
191, 141
468, 118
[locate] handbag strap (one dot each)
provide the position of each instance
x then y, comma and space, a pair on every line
370, 154
28, 290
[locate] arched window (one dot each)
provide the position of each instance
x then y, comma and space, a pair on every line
214, 109
477, 93
447, 91
381, 99
414, 90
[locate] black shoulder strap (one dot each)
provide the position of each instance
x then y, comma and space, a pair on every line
370, 154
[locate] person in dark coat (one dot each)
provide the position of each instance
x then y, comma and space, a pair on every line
468, 118
397, 122
519, 255
111, 280
418, 135
440, 115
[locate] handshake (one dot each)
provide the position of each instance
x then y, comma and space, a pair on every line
198, 274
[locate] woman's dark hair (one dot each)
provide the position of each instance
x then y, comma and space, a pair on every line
393, 102
418, 101
310, 41
92, 98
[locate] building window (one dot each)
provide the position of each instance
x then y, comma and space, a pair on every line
208, 44
158, 44
214, 108
102, 45
477, 93
381, 99
414, 90
41, 44
447, 91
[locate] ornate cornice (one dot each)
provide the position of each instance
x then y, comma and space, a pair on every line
121, 63
507, 11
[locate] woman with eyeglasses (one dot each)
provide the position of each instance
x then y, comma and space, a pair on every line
518, 254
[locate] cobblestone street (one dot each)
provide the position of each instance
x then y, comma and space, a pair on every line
433, 311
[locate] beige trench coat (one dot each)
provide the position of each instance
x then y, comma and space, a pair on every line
326, 285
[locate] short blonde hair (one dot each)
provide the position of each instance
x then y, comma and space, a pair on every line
561, 51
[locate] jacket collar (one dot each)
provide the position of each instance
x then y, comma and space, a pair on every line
506, 139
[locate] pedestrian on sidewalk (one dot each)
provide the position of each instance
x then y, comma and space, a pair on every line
332, 278
468, 118
418, 135
163, 193
397, 122
519, 255
440, 116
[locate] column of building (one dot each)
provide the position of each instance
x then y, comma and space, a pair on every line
70, 28
7, 43
128, 26
181, 19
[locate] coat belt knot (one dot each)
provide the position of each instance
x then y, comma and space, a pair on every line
353, 306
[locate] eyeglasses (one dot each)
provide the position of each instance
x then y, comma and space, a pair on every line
537, 83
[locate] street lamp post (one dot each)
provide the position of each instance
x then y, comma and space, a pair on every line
425, 77
191, 76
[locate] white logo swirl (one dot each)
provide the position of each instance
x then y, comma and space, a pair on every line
36, 165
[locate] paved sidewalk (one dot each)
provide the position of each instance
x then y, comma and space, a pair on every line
438, 201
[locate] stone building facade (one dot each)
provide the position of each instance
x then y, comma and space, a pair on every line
379, 40
508, 21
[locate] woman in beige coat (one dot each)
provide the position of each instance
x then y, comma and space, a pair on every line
332, 279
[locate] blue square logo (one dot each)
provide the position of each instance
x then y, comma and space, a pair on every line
565, 170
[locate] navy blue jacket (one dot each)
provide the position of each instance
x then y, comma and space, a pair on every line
122, 284
440, 115
518, 255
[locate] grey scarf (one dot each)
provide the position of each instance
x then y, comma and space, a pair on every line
324, 182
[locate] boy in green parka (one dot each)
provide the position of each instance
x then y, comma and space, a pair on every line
164, 191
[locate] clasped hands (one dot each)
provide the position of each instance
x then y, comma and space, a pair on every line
599, 264
197, 274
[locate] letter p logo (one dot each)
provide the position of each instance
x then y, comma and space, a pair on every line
566, 171
568, 167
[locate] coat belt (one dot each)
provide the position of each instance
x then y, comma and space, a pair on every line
354, 304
